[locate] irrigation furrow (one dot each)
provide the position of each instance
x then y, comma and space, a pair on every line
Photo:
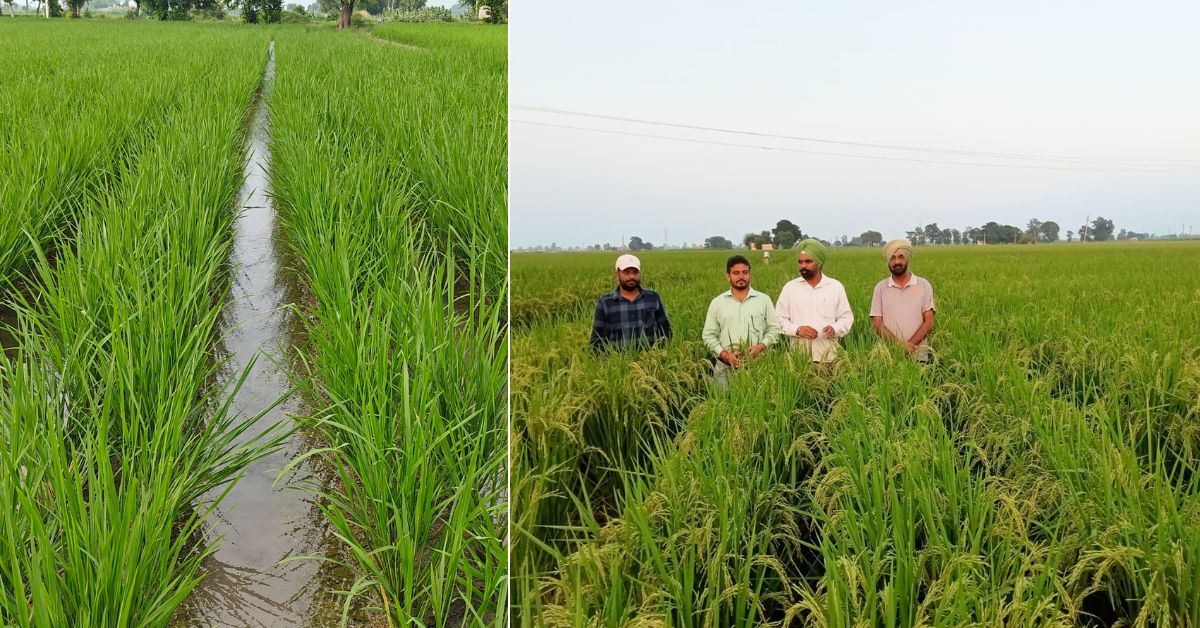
256, 577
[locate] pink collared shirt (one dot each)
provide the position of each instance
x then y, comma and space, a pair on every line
903, 309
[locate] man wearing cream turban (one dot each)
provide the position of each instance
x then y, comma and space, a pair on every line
902, 307
813, 310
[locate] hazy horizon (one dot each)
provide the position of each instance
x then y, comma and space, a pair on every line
1084, 80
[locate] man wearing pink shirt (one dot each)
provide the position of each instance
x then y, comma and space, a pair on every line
902, 307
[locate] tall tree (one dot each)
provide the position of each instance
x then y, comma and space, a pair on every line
1070, 236
917, 235
1101, 229
785, 239
637, 244
786, 226
932, 233
157, 8
1034, 229
871, 238
1049, 231
717, 242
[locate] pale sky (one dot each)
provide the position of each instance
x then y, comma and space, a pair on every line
1102, 80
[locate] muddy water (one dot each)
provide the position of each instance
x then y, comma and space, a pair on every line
8, 319
262, 522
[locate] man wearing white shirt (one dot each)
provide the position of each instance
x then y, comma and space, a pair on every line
813, 310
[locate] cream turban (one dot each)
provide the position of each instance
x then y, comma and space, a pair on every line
903, 246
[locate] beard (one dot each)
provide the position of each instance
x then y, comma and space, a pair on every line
631, 284
899, 269
807, 273
741, 285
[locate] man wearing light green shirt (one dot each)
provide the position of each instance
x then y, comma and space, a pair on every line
741, 321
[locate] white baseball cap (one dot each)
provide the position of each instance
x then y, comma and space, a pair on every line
628, 261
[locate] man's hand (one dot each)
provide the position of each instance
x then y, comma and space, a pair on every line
731, 358
757, 349
807, 332
829, 332
910, 346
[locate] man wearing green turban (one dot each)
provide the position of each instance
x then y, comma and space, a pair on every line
813, 310
902, 305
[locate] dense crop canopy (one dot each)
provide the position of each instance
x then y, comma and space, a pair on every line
1043, 472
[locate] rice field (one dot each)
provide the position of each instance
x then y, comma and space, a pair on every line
119, 191
390, 176
110, 430
1042, 472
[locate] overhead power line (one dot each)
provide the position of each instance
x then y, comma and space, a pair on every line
923, 149
852, 155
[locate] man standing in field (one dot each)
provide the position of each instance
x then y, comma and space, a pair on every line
813, 309
902, 305
629, 315
741, 321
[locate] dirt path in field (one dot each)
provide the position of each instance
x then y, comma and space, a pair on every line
392, 42
260, 522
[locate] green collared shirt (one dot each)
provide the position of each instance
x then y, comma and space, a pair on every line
731, 323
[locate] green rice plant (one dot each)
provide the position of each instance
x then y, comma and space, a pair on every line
70, 124
112, 430
389, 175
1040, 473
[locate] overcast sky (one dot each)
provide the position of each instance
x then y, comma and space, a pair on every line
1102, 80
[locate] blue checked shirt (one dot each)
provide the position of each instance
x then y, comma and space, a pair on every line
621, 323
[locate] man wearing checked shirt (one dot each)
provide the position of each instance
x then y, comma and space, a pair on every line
629, 315
741, 321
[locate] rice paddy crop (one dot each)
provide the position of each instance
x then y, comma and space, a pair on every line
1042, 472
111, 430
119, 191
390, 177
71, 117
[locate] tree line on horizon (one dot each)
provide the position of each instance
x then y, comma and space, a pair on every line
786, 234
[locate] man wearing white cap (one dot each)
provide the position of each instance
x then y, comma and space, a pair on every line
629, 315
902, 306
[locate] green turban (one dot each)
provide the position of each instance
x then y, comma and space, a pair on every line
815, 250
903, 246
